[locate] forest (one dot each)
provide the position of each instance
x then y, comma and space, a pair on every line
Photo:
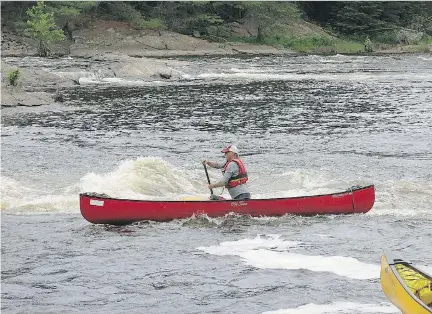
274, 23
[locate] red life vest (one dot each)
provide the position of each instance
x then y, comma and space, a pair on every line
241, 178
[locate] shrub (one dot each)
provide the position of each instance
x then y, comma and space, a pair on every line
13, 77
368, 46
153, 24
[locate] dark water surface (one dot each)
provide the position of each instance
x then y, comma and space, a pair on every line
304, 125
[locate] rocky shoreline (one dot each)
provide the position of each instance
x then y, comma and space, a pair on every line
124, 53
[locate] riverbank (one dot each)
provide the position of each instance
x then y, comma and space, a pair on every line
124, 51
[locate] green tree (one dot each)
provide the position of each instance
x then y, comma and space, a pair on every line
269, 16
357, 18
41, 27
67, 13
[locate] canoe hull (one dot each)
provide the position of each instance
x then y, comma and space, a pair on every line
105, 210
396, 291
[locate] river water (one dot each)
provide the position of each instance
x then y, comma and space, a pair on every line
304, 125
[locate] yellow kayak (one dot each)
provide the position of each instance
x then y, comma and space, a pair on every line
407, 287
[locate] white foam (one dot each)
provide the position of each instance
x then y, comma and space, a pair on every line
339, 308
271, 253
364, 77
246, 245
403, 198
143, 178
14, 195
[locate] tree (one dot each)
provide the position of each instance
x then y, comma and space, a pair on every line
269, 16
66, 13
357, 18
41, 27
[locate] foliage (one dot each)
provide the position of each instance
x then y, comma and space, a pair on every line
66, 11
377, 19
155, 24
268, 16
359, 18
422, 46
13, 77
384, 22
120, 11
202, 23
368, 47
41, 26
125, 12
14, 15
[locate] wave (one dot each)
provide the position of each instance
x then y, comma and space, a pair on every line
339, 307
358, 76
402, 198
153, 178
144, 178
271, 253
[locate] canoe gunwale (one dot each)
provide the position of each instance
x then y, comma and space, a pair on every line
349, 190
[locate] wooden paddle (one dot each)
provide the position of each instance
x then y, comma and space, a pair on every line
208, 179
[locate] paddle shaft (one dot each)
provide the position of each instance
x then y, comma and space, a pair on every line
208, 178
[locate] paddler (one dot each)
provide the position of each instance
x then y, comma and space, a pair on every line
234, 174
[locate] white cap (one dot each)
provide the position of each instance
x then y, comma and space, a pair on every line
230, 148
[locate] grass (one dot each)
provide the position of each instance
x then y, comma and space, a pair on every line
309, 44
422, 46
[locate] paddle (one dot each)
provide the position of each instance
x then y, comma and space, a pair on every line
208, 179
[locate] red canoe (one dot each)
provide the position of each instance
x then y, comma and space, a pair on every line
99, 209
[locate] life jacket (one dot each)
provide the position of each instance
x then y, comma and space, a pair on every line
241, 178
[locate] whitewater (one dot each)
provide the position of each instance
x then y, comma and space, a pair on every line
305, 125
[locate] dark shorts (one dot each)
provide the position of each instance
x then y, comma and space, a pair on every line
243, 196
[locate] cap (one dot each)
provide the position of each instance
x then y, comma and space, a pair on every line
230, 148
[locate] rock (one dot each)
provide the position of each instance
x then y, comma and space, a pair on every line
165, 75
16, 97
140, 68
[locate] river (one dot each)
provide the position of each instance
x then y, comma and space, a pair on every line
304, 125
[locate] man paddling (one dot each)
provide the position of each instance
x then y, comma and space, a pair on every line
234, 174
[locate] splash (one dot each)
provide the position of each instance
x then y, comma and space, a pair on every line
144, 178
403, 198
15, 196
153, 178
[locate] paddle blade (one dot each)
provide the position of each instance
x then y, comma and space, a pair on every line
193, 198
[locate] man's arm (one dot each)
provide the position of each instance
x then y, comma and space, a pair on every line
212, 164
231, 170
